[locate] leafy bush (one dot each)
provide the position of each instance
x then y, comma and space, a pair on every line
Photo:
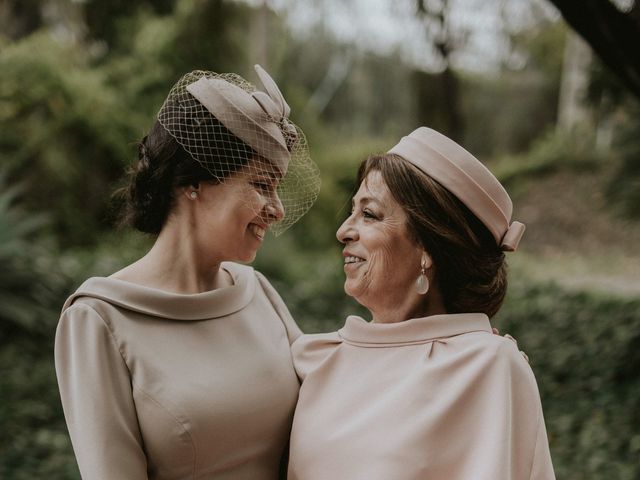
585, 351
552, 152
624, 189
28, 286
69, 117
65, 135
34, 443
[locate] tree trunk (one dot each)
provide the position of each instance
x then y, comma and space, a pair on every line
574, 83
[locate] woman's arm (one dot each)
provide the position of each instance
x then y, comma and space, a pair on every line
95, 388
541, 467
525, 432
495, 426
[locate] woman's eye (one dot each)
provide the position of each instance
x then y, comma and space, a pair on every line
368, 214
261, 185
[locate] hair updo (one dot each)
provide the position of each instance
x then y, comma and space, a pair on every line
164, 165
470, 269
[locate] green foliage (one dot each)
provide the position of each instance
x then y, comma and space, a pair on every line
69, 125
617, 109
104, 18
28, 286
34, 443
64, 133
584, 349
70, 114
550, 153
20, 18
153, 50
624, 189
542, 47
357, 93
506, 112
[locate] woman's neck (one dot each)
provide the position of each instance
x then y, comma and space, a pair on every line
414, 306
176, 264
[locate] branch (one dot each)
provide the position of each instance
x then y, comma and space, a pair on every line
612, 34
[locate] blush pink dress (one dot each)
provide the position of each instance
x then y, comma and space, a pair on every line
162, 386
437, 398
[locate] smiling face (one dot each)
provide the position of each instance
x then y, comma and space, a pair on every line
382, 261
230, 219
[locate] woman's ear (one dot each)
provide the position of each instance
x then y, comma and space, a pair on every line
192, 191
426, 262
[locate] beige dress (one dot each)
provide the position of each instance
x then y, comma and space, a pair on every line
165, 386
437, 398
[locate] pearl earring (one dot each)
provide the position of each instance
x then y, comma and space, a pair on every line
193, 195
422, 282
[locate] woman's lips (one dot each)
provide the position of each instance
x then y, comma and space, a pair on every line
257, 230
349, 259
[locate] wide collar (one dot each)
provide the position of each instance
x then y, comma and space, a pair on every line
358, 331
159, 303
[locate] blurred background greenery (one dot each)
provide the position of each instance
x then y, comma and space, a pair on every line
81, 81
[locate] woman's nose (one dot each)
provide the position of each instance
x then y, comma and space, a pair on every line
275, 209
347, 233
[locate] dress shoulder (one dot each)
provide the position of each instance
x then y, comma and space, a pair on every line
293, 331
96, 394
507, 350
310, 351
74, 298
504, 363
500, 348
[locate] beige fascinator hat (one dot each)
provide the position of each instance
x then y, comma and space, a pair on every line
464, 176
225, 124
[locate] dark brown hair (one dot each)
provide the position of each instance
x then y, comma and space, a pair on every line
470, 269
163, 164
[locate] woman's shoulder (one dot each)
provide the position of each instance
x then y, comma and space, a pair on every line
246, 272
293, 331
92, 302
311, 350
503, 348
315, 342
91, 291
500, 357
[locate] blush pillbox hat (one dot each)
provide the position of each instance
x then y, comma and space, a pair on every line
464, 176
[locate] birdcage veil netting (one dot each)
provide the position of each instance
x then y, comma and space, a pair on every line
229, 127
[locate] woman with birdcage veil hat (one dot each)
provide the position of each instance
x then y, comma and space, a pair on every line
179, 365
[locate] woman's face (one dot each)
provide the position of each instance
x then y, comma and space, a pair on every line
231, 218
381, 260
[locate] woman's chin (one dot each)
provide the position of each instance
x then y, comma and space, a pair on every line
353, 291
247, 256
250, 258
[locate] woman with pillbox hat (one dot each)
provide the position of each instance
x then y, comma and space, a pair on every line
179, 365
424, 390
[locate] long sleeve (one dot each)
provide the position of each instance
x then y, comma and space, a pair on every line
96, 392
528, 396
522, 422
508, 429
542, 469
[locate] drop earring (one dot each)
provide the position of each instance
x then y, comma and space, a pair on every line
422, 282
